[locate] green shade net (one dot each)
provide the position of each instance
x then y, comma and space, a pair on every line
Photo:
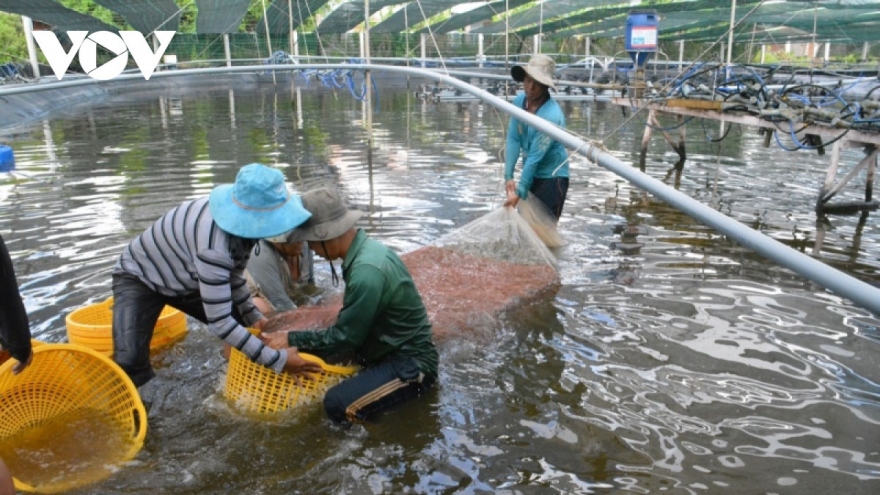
54, 14
281, 22
480, 14
351, 14
559, 13
844, 21
413, 14
220, 16
146, 15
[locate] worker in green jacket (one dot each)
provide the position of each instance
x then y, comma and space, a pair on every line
383, 320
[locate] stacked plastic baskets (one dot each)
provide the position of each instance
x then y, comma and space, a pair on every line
92, 326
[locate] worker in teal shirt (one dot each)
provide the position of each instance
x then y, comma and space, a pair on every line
383, 320
545, 161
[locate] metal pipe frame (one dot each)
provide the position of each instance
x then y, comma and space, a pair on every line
860, 293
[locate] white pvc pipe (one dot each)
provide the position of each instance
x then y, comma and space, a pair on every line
424, 43
730, 34
226, 50
680, 54
32, 50
290, 31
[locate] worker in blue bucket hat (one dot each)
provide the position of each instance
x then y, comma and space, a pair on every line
193, 258
383, 320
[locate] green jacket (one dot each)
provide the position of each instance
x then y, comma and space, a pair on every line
382, 312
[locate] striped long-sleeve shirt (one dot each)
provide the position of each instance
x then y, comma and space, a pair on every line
185, 252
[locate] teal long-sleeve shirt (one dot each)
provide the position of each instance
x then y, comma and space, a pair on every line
382, 312
542, 156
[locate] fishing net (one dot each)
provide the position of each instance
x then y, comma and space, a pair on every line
504, 235
467, 280
541, 220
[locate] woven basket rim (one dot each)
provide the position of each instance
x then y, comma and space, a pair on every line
330, 368
106, 305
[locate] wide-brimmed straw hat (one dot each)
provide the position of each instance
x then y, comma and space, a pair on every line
541, 68
258, 205
330, 218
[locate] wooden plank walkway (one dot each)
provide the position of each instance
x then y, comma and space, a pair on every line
715, 110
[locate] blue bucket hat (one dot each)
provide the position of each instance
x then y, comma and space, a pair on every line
258, 205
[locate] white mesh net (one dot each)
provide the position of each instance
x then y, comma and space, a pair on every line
504, 235
539, 218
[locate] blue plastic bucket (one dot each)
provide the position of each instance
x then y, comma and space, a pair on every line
641, 35
7, 159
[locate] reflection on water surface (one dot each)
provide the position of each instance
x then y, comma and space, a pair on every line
670, 359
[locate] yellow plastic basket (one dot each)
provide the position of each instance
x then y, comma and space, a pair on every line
254, 388
69, 419
92, 326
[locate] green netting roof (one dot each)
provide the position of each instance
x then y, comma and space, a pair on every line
698, 20
412, 14
220, 16
351, 14
146, 15
480, 14
280, 22
54, 14
580, 19
543, 14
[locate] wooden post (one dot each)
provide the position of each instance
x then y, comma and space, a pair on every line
868, 163
680, 54
646, 138
290, 33
869, 180
424, 43
678, 147
768, 135
268, 39
682, 154
830, 174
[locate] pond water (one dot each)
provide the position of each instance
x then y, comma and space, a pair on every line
670, 360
